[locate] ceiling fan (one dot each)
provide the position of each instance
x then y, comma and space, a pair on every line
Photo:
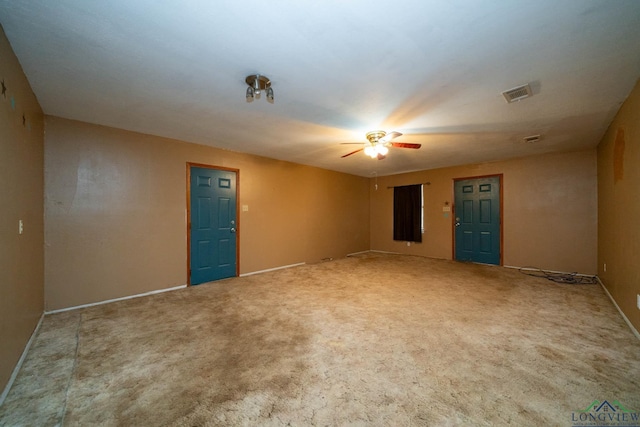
379, 143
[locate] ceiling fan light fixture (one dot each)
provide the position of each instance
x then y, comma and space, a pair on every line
376, 136
257, 83
370, 151
379, 143
375, 150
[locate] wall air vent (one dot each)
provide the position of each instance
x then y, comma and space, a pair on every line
531, 139
517, 93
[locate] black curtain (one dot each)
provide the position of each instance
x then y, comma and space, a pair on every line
407, 208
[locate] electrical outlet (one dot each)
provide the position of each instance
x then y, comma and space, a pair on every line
638, 302
605, 267
20, 227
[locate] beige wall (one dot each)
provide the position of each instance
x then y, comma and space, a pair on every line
21, 192
115, 212
619, 207
549, 211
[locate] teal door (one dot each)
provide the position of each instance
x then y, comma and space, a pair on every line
477, 220
213, 225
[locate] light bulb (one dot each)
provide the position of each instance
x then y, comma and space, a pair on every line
370, 151
382, 150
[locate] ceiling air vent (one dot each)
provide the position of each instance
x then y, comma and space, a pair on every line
531, 139
517, 93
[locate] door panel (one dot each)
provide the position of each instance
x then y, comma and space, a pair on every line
485, 242
485, 211
477, 219
467, 241
467, 211
213, 224
224, 247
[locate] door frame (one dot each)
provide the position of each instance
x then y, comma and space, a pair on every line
500, 177
188, 219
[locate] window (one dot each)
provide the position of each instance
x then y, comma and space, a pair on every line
408, 213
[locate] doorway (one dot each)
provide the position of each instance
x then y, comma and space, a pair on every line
478, 219
212, 223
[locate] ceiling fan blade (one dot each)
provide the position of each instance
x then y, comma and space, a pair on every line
381, 157
353, 152
351, 143
405, 145
391, 135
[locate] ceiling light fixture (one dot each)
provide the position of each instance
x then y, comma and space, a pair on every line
374, 150
378, 143
257, 84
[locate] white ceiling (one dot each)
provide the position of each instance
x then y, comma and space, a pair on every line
433, 70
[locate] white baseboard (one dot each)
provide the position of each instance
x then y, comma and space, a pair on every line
116, 299
626, 319
16, 369
550, 271
272, 269
386, 252
359, 253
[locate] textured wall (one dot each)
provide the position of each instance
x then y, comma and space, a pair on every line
115, 212
21, 192
549, 211
619, 207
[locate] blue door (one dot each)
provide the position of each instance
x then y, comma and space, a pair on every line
477, 220
212, 224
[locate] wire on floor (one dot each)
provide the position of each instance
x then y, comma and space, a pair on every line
564, 278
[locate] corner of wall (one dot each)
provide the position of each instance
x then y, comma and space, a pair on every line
21, 210
619, 206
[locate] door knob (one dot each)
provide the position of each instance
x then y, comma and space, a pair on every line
457, 224
233, 230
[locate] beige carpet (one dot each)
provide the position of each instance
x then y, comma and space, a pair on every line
373, 339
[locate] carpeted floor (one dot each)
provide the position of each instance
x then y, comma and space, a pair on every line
374, 339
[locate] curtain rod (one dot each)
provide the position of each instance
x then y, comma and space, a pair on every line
406, 185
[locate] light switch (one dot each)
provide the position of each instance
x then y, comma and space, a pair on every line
245, 208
